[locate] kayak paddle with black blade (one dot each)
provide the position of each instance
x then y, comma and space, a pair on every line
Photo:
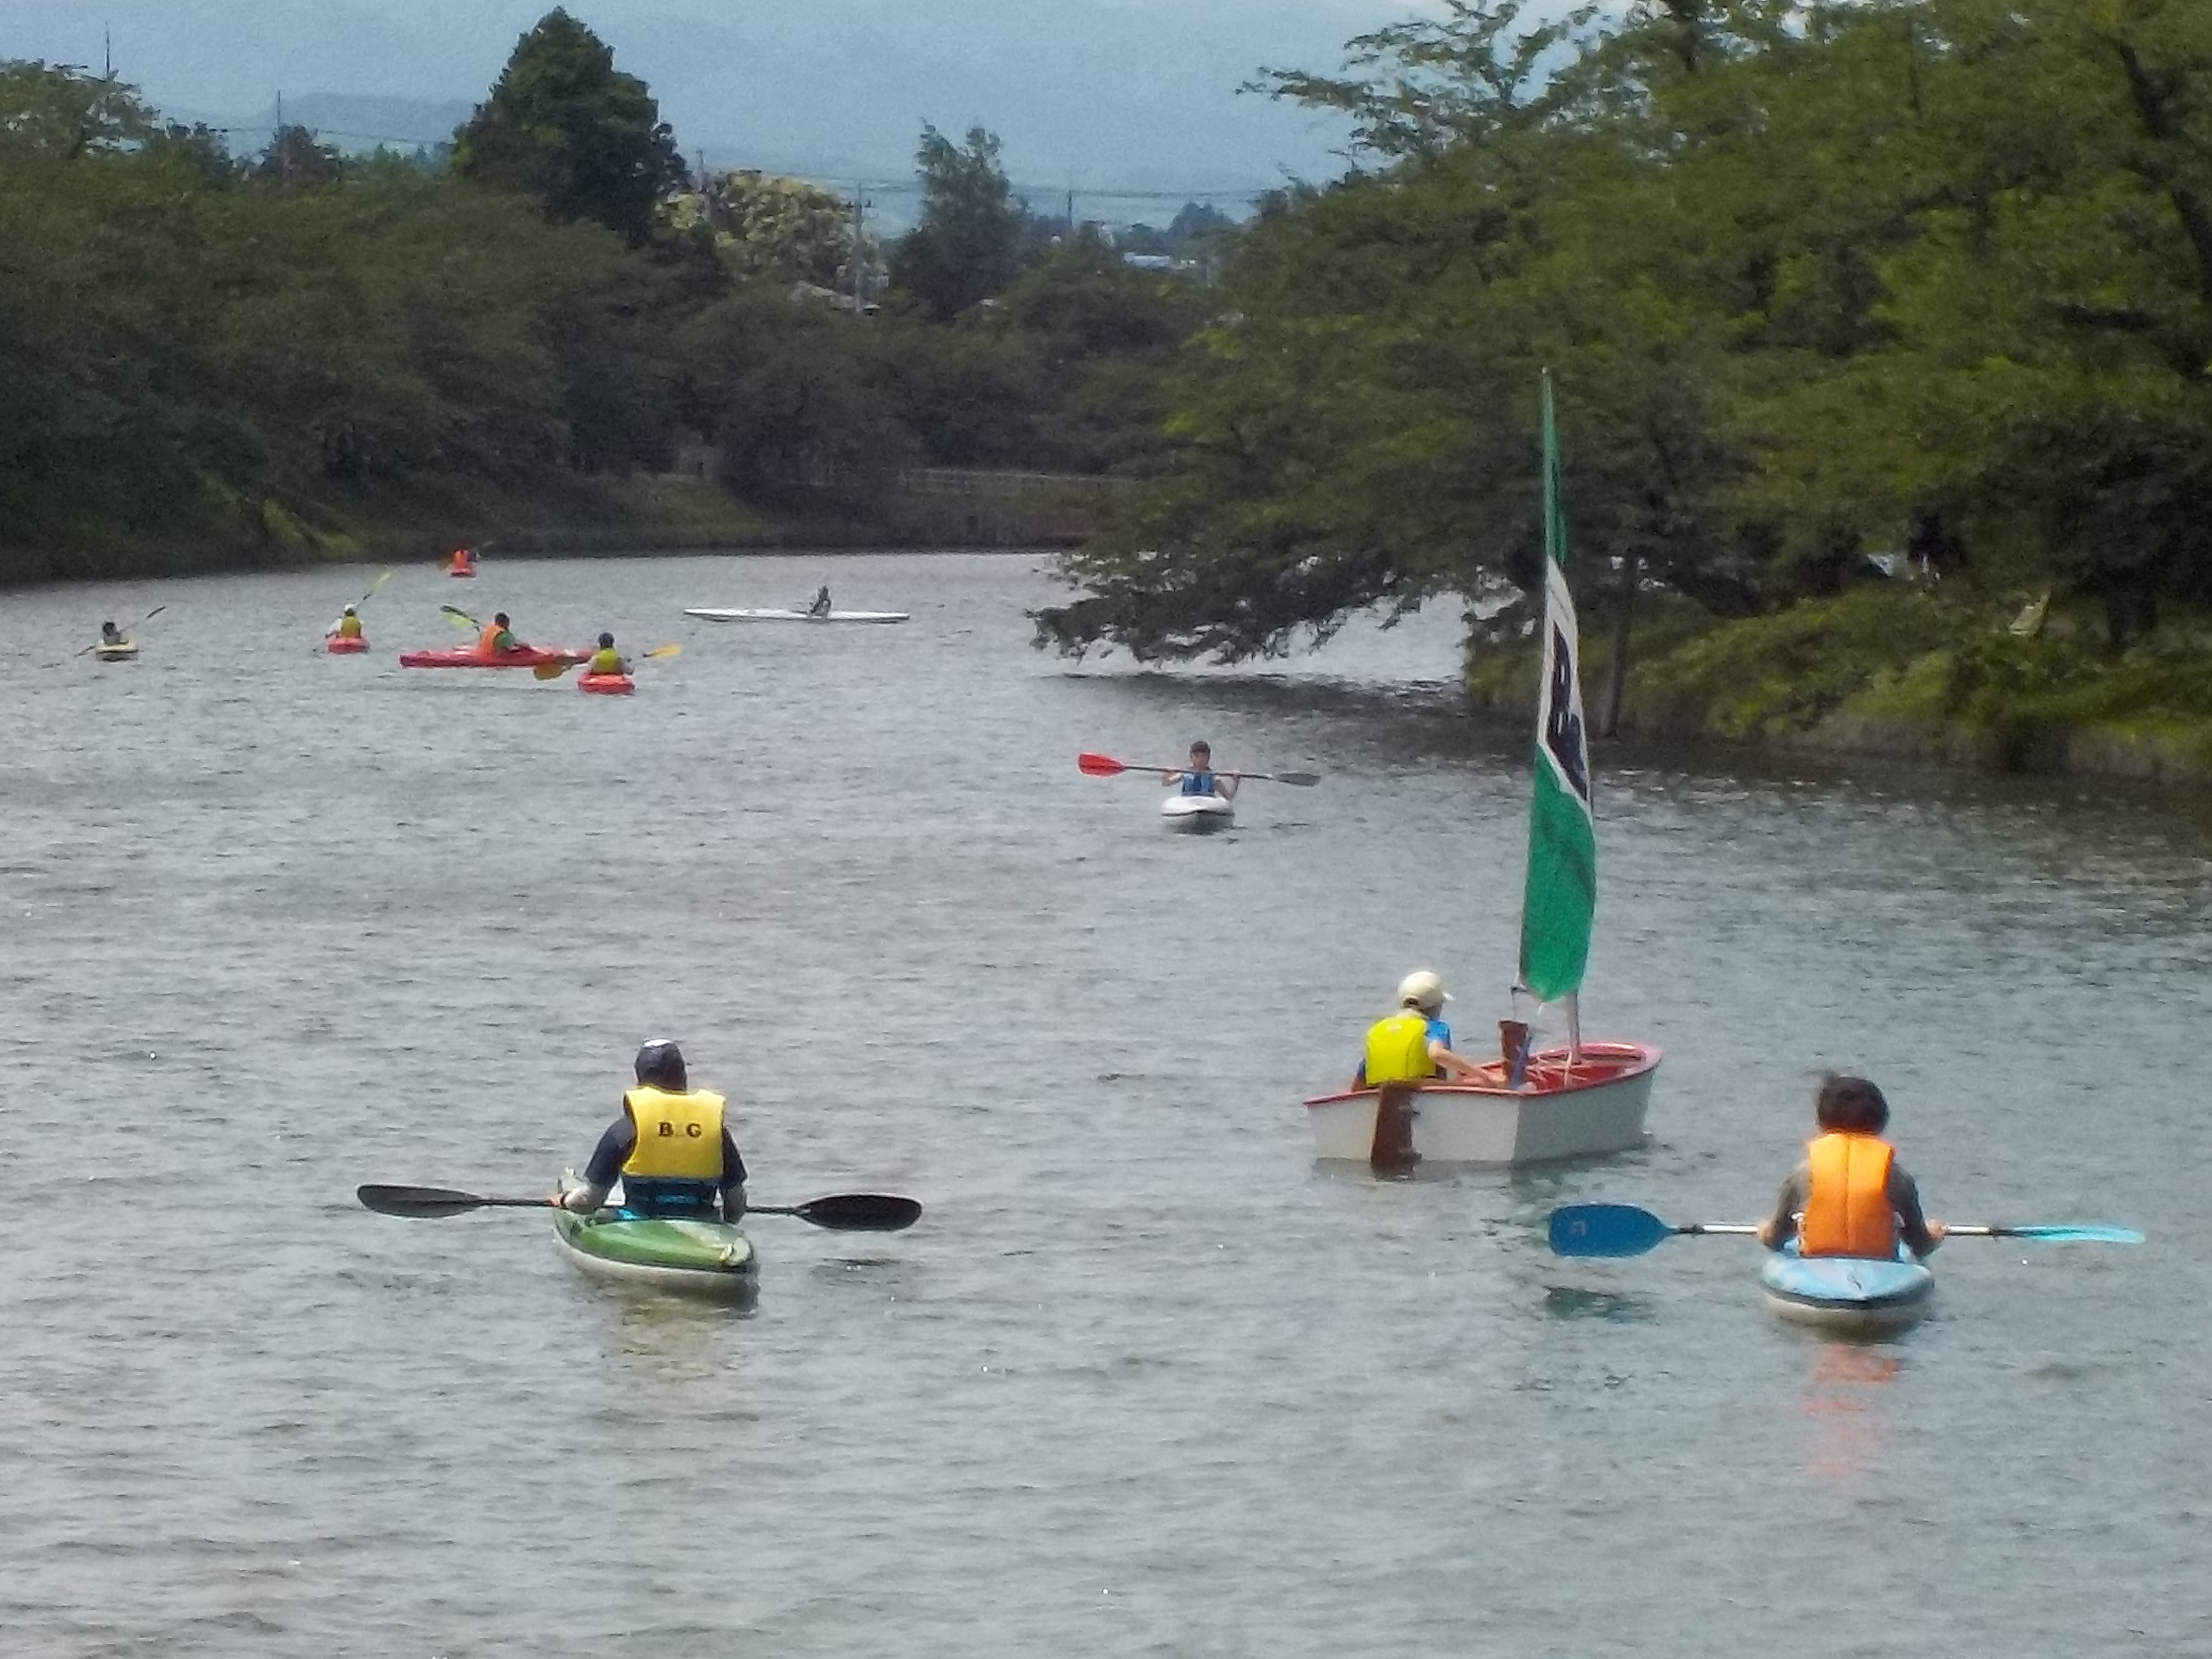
844, 1213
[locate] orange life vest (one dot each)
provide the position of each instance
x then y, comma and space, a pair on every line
1847, 1212
488, 641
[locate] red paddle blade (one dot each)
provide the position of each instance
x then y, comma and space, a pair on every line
1100, 765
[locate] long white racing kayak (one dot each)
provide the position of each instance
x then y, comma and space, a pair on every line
778, 615
1197, 814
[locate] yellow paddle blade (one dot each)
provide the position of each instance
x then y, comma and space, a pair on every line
551, 671
665, 651
458, 618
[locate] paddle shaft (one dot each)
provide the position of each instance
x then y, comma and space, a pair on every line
141, 622
1623, 1229
841, 1211
1105, 766
554, 670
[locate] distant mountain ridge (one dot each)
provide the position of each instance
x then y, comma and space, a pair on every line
1104, 96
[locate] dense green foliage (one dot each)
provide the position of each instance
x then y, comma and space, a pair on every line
565, 126
205, 359
1816, 280
966, 247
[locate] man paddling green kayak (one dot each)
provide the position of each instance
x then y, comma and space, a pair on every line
671, 1149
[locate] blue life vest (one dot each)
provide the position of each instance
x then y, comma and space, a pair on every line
1199, 783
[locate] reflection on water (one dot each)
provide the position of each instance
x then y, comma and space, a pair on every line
1844, 1400
1579, 1302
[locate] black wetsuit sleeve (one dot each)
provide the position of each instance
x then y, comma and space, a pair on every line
1783, 1224
733, 1167
1911, 1223
612, 1152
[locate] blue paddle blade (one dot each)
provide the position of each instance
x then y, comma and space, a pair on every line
1606, 1230
2074, 1234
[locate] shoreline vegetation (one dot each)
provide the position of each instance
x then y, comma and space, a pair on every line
548, 334
1878, 330
1894, 671
640, 514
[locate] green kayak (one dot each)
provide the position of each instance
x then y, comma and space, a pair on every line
696, 1258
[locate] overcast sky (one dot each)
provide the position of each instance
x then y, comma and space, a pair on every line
1136, 94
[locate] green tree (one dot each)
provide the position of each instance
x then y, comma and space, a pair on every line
784, 229
964, 250
295, 159
58, 113
564, 126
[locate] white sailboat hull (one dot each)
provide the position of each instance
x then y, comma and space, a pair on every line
1595, 1106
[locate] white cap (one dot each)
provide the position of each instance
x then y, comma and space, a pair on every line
1423, 989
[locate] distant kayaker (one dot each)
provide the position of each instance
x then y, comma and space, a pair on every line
1413, 1045
1200, 777
347, 626
110, 634
606, 660
671, 1148
1850, 1196
495, 640
821, 606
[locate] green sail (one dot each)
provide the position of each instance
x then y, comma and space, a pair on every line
1562, 892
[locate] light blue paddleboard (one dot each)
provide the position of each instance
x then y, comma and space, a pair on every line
1847, 1293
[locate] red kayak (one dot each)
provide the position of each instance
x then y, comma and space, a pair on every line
607, 685
341, 646
461, 570
529, 656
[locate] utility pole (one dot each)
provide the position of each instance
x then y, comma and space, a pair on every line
860, 221
283, 150
106, 54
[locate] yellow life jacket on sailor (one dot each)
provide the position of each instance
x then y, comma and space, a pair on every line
348, 628
1847, 1209
1398, 1049
679, 1137
605, 660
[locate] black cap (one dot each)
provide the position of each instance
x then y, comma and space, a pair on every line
660, 1065
607, 639
500, 618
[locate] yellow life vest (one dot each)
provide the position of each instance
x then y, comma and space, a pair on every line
1847, 1211
348, 628
1398, 1050
679, 1137
605, 660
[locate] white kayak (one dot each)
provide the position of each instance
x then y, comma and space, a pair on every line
773, 614
1197, 814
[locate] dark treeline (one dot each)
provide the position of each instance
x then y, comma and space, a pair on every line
232, 354
1921, 278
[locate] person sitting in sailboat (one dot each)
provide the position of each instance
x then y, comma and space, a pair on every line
1413, 1045
1200, 777
821, 606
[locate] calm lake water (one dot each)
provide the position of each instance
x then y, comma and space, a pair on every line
1145, 1381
